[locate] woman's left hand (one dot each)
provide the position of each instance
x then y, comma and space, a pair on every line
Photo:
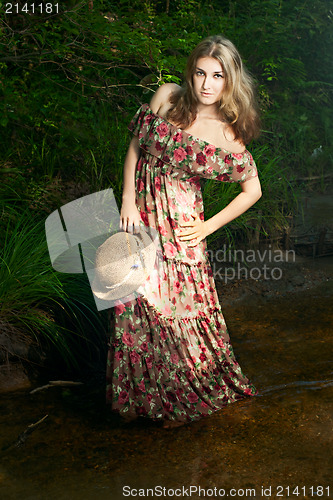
196, 231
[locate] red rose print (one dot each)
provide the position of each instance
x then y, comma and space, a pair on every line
168, 406
149, 397
202, 357
190, 253
205, 327
159, 147
123, 397
144, 218
201, 159
119, 308
119, 355
139, 165
177, 287
223, 178
209, 150
203, 404
159, 366
162, 129
158, 183
240, 168
149, 362
128, 339
162, 230
192, 397
141, 386
141, 410
140, 185
179, 154
174, 358
172, 222
228, 160
178, 137
197, 297
170, 250
135, 357
148, 119
144, 346
181, 276
164, 335
238, 156
189, 150
179, 392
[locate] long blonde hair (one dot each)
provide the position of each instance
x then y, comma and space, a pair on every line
238, 105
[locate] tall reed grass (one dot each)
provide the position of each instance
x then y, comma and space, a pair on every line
39, 305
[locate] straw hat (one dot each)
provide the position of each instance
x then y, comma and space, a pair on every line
122, 264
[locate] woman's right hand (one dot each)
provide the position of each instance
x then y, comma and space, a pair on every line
129, 217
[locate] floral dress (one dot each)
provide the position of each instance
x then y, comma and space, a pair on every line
169, 354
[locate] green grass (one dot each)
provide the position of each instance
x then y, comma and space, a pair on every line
268, 217
39, 305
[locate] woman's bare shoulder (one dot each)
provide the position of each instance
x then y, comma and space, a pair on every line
160, 102
236, 146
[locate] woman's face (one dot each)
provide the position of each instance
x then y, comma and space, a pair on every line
208, 80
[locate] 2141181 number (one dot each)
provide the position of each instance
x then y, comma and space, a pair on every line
31, 8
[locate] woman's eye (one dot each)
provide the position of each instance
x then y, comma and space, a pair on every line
199, 73
218, 75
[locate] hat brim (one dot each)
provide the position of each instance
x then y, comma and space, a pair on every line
137, 279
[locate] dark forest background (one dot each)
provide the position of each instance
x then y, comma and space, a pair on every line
70, 81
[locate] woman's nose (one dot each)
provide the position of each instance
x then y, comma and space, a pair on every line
206, 83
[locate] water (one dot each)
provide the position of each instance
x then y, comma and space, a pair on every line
281, 439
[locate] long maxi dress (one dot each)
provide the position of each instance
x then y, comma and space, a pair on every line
170, 355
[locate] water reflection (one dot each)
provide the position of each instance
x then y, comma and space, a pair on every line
282, 437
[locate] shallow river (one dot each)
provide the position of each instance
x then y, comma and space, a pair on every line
281, 439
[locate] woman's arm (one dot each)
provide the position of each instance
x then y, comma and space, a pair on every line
199, 230
129, 214
251, 192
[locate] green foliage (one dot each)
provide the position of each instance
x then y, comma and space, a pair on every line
69, 84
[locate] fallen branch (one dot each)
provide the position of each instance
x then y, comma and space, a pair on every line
313, 177
54, 383
23, 436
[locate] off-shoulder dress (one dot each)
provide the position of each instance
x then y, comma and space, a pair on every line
169, 353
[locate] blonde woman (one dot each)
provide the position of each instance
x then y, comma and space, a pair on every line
170, 357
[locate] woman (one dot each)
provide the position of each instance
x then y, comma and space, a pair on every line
169, 357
